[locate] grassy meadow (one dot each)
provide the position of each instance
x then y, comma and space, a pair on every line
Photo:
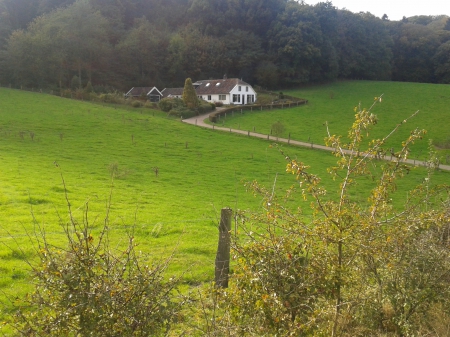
334, 103
45, 139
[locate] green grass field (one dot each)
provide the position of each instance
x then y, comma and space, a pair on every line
44, 138
199, 172
334, 103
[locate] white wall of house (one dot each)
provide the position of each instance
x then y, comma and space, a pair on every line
225, 99
241, 94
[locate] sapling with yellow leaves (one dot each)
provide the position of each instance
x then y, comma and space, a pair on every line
348, 266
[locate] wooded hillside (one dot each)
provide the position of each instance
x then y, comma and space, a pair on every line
273, 43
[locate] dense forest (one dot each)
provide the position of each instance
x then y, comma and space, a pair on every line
117, 44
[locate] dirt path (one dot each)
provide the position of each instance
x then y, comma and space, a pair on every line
199, 121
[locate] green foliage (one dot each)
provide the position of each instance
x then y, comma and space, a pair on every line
205, 107
136, 104
89, 88
275, 43
351, 268
87, 287
182, 111
167, 104
442, 62
189, 95
267, 75
277, 129
362, 58
75, 83
151, 105
414, 48
112, 97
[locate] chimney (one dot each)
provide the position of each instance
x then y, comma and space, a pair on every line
225, 76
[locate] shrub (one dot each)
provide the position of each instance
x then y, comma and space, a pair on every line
67, 93
114, 97
167, 104
264, 100
89, 88
150, 105
182, 111
85, 288
351, 267
136, 104
205, 107
277, 129
218, 104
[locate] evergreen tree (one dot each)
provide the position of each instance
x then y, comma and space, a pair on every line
189, 95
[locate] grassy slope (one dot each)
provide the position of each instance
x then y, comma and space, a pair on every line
200, 171
400, 100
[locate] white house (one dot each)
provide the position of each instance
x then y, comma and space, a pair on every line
227, 91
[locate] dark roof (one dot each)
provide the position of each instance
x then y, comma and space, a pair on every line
138, 91
224, 86
172, 91
154, 91
207, 87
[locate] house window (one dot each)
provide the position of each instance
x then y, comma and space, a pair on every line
209, 97
246, 89
250, 99
222, 97
236, 98
239, 88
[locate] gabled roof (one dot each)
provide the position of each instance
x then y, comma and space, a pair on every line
172, 92
208, 87
138, 91
223, 86
154, 91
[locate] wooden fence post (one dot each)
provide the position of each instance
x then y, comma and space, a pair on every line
223, 250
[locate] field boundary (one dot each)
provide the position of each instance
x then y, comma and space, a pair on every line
200, 122
290, 102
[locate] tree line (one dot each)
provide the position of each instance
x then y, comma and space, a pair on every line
272, 43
